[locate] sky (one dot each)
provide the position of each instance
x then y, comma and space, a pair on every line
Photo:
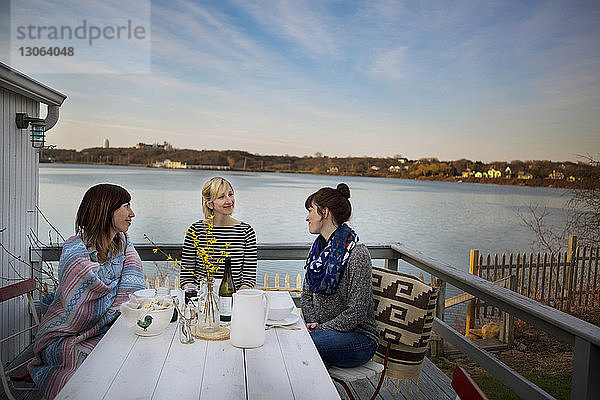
482, 80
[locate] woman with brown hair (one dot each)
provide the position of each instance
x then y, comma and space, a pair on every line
98, 269
337, 296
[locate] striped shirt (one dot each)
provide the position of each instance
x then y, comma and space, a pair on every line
242, 251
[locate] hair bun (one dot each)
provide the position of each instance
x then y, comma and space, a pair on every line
344, 190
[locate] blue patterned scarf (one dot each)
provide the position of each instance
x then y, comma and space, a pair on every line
327, 260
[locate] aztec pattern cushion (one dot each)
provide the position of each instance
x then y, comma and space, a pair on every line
404, 310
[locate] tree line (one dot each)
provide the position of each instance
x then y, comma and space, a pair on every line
397, 166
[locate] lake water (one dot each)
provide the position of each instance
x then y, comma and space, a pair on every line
442, 219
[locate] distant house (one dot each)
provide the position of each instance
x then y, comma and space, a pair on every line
556, 175
524, 175
19, 191
507, 172
374, 168
467, 173
213, 167
164, 146
394, 168
479, 174
403, 160
571, 178
170, 164
333, 170
494, 173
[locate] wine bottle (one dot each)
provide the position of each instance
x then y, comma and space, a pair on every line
226, 290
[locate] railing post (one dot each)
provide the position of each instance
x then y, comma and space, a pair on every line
473, 264
391, 263
586, 364
570, 267
507, 325
36, 273
441, 300
437, 342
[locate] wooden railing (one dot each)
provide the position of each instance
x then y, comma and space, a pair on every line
474, 305
584, 336
156, 281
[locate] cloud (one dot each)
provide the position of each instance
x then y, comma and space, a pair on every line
381, 11
204, 39
389, 64
304, 25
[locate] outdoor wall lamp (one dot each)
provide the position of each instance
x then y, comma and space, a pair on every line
38, 128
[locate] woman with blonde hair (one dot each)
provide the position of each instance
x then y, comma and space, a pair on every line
218, 204
98, 269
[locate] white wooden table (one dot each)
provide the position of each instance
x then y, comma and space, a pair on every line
126, 366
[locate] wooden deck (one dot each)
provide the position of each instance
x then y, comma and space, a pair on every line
434, 385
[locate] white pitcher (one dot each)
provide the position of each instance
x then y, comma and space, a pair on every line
248, 318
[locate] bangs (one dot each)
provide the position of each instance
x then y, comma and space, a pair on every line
309, 201
124, 197
222, 188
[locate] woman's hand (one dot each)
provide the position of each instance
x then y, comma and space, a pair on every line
311, 326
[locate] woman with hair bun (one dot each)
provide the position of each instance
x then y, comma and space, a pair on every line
337, 295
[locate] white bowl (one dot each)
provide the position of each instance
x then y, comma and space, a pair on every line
138, 318
145, 292
150, 293
281, 306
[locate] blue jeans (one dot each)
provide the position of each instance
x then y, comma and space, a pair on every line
343, 349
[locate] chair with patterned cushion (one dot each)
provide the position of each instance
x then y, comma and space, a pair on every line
404, 310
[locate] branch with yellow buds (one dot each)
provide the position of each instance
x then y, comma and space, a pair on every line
174, 261
208, 255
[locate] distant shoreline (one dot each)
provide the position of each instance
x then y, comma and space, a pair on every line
533, 182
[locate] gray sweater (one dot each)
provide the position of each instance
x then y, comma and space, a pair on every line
350, 308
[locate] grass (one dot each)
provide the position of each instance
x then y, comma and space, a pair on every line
558, 385
537, 356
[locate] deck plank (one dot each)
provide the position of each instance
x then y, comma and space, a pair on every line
342, 392
439, 378
390, 393
434, 385
364, 389
428, 386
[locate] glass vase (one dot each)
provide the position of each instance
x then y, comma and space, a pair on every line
185, 325
208, 309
